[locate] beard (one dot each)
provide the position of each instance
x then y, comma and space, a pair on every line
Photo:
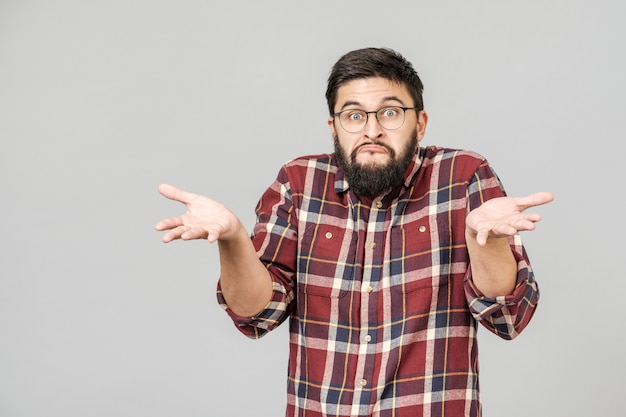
370, 180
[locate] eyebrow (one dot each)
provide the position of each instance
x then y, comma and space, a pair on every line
356, 103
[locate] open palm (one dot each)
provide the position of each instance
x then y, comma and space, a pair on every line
505, 216
205, 218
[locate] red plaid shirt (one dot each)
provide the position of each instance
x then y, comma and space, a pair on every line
379, 294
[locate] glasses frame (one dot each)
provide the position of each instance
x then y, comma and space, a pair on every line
367, 116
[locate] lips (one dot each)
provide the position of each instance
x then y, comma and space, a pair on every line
372, 148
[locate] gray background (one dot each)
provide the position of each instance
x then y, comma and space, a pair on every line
100, 101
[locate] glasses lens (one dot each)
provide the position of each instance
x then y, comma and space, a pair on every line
353, 120
390, 117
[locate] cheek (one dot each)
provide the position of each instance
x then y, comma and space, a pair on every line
402, 143
398, 146
346, 143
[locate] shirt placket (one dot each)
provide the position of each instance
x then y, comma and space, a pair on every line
366, 379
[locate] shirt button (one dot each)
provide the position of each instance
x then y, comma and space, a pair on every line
379, 204
363, 382
328, 235
422, 228
368, 338
369, 289
372, 245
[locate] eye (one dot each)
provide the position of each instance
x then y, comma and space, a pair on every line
389, 112
355, 116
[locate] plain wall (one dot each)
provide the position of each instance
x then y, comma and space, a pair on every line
100, 101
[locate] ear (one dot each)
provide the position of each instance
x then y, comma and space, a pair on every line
422, 121
331, 125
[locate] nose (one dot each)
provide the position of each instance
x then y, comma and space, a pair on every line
372, 128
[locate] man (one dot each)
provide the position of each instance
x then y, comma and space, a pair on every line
384, 256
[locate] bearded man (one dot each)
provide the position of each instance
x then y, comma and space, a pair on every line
382, 256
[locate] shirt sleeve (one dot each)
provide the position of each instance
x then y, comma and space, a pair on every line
275, 240
505, 316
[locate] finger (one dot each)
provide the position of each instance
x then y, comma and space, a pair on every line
506, 229
481, 238
174, 234
522, 223
535, 199
526, 223
533, 217
170, 223
194, 233
176, 194
214, 233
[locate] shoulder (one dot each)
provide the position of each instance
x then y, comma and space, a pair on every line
311, 169
459, 165
320, 161
309, 165
458, 159
436, 154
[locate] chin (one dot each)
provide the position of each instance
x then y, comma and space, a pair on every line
372, 160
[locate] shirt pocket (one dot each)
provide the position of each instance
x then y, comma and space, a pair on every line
415, 263
326, 261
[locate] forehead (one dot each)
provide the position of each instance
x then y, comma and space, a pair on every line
373, 91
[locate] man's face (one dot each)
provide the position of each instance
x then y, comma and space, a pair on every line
375, 152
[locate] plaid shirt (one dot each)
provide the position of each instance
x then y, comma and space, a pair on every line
379, 294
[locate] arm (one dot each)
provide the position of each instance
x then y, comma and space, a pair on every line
494, 268
246, 283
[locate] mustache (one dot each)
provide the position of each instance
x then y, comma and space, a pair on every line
389, 149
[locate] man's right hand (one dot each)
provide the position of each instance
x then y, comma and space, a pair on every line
205, 218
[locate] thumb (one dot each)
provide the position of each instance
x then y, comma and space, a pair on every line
175, 193
535, 199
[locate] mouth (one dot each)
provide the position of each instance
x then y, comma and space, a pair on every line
373, 148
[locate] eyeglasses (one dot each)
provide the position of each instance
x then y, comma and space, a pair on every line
390, 118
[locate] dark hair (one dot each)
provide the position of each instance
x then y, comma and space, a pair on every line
373, 62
